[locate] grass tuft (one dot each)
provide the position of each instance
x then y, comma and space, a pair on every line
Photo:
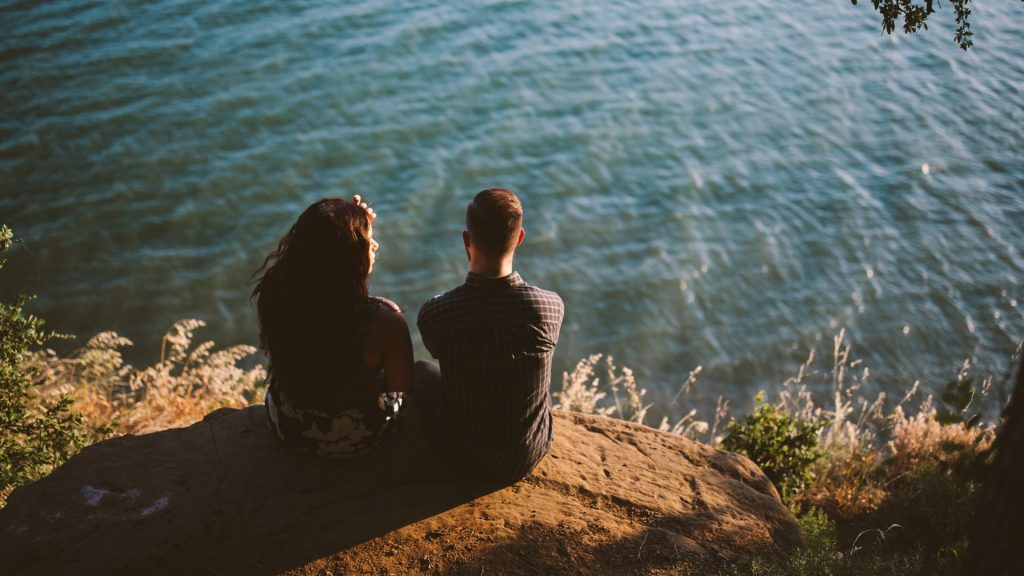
878, 487
183, 386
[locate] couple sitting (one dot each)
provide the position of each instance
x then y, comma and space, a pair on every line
341, 361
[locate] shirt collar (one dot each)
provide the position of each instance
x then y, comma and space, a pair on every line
513, 279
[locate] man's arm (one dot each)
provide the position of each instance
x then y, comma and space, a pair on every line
554, 313
426, 321
561, 317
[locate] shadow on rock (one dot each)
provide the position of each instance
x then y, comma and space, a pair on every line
222, 496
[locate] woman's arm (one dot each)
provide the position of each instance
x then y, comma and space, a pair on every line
395, 350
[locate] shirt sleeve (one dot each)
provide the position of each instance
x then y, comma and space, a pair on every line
426, 322
556, 328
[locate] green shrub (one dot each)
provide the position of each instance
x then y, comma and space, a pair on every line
784, 447
34, 437
820, 556
932, 506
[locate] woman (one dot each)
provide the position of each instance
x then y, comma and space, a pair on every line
340, 359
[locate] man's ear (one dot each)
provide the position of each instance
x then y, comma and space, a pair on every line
522, 234
466, 243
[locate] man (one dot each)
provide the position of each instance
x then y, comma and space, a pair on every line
487, 408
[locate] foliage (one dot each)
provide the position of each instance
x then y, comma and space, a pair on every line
186, 384
884, 488
35, 436
594, 387
933, 508
915, 17
820, 556
783, 446
610, 393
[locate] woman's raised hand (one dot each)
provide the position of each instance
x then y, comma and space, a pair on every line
362, 204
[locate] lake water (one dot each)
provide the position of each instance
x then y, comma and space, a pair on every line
725, 184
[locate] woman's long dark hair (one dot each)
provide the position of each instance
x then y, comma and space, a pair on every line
309, 297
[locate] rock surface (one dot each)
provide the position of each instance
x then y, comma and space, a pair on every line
224, 497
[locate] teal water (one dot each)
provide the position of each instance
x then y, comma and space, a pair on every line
725, 184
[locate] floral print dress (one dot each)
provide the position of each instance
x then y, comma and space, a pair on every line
337, 434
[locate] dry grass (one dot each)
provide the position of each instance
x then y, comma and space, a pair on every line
597, 386
894, 488
184, 385
867, 441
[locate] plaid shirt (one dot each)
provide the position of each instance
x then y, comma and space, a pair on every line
494, 339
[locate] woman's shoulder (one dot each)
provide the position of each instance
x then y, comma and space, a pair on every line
386, 321
385, 317
376, 303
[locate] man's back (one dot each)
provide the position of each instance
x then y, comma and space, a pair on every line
494, 339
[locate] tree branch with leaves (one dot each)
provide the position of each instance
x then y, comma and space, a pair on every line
915, 17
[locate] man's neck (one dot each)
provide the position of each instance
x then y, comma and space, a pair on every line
498, 269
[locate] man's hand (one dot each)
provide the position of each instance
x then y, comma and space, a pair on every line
371, 215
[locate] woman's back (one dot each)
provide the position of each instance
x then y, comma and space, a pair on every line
358, 412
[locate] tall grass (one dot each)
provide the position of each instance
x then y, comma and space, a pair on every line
184, 385
891, 482
851, 424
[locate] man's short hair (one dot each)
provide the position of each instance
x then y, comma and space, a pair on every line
494, 218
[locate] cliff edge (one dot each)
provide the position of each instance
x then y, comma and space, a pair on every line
224, 497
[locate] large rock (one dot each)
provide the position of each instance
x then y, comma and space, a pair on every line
224, 497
